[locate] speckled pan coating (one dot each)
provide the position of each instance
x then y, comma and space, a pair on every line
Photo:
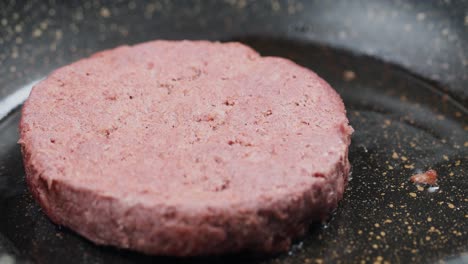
186, 148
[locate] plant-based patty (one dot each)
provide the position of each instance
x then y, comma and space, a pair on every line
186, 148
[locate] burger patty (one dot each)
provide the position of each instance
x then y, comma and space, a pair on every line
186, 148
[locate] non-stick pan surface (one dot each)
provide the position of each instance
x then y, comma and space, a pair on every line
401, 68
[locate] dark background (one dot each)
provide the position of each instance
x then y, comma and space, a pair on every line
400, 66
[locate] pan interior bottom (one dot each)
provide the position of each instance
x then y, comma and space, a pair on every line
403, 125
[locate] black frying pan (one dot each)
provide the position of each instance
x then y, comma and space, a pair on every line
401, 68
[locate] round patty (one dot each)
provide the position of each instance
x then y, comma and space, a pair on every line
186, 148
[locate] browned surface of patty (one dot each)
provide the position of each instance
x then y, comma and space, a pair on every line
186, 148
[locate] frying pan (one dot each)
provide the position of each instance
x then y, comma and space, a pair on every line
400, 66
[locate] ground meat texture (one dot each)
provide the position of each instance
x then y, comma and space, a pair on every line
429, 177
186, 148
